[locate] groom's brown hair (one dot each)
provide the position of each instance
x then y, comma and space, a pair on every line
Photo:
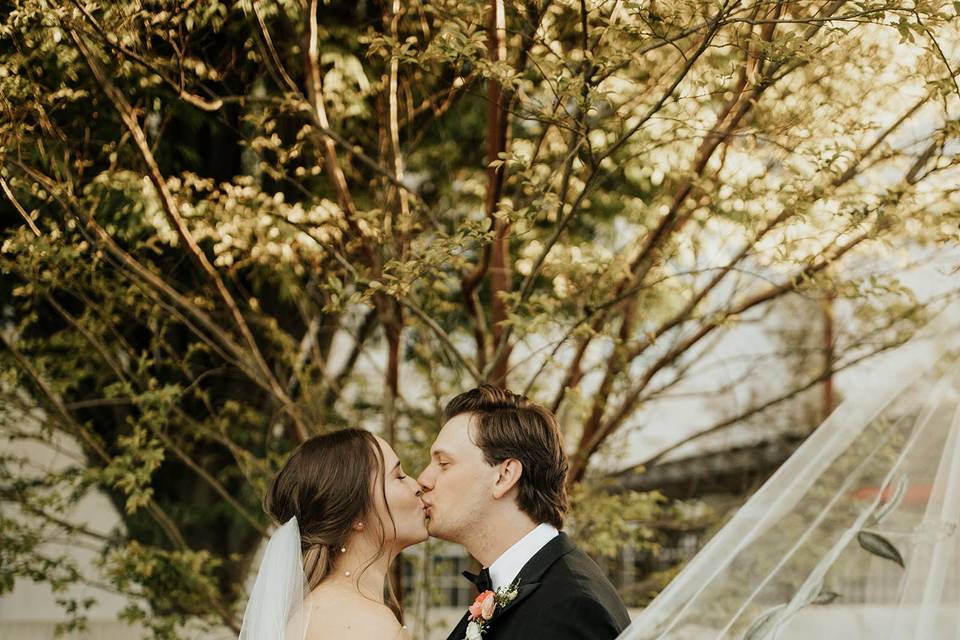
507, 425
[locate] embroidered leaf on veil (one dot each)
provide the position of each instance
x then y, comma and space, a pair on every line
764, 626
879, 546
790, 564
826, 597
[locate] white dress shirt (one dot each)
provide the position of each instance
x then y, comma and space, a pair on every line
505, 568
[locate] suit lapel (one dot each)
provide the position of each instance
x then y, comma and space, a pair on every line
459, 631
531, 574
523, 590
528, 580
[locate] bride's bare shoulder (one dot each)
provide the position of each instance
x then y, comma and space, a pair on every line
351, 618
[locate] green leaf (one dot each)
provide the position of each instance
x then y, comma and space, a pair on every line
879, 546
825, 597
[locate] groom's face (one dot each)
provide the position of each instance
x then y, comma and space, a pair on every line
457, 483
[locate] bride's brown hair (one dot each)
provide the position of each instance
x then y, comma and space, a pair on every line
327, 484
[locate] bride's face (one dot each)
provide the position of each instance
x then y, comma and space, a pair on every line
403, 497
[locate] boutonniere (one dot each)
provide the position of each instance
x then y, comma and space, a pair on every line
483, 608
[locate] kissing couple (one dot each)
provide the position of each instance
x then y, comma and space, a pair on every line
496, 484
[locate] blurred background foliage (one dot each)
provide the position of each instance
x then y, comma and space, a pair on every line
228, 226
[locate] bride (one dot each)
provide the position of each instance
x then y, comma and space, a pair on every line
347, 509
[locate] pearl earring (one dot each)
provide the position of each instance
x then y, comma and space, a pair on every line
346, 573
343, 549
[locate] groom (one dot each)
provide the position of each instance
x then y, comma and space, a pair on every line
496, 485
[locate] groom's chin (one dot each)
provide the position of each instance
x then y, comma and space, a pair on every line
433, 532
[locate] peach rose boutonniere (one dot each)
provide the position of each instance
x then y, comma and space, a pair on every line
483, 608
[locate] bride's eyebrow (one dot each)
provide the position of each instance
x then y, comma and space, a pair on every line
395, 467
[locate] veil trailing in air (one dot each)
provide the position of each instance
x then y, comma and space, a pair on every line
856, 535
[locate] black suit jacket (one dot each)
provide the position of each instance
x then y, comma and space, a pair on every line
562, 595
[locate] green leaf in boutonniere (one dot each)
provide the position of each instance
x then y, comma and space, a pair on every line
486, 606
506, 595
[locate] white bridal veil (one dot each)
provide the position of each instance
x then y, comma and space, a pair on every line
856, 535
275, 608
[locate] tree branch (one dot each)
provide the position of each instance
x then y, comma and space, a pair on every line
825, 374
495, 256
394, 127
167, 441
319, 111
186, 96
365, 331
300, 431
88, 438
16, 205
595, 433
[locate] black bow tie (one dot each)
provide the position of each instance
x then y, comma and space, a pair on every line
482, 581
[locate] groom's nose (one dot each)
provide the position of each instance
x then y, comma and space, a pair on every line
425, 479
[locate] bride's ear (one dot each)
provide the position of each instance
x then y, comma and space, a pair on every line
508, 475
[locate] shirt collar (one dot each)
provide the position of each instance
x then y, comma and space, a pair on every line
505, 568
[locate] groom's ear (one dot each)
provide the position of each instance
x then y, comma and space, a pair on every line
508, 476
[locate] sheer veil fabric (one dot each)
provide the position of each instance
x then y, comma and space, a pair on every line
856, 535
275, 609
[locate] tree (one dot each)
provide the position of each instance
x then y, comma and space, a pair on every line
236, 225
